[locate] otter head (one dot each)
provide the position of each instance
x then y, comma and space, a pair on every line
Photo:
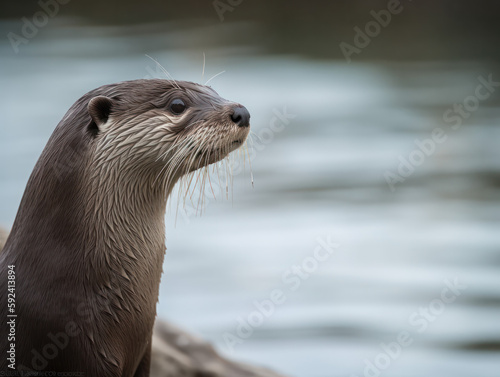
164, 128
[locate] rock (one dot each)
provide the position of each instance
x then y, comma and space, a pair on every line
180, 354
176, 353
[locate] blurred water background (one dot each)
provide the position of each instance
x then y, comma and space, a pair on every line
321, 175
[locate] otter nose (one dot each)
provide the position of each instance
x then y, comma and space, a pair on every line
241, 116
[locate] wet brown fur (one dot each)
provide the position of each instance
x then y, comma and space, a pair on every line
88, 241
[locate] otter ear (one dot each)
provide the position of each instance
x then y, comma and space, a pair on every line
99, 109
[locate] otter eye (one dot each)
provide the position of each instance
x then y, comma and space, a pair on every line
177, 106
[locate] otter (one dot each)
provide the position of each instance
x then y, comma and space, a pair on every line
87, 245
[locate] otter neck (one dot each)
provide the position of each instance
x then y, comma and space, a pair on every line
125, 218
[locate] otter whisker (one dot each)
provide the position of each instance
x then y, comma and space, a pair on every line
197, 151
180, 148
206, 172
249, 164
176, 148
165, 71
181, 186
254, 134
177, 166
211, 187
200, 195
214, 76
202, 146
203, 183
227, 179
196, 183
218, 172
174, 167
186, 191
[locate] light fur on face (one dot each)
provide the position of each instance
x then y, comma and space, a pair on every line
159, 148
